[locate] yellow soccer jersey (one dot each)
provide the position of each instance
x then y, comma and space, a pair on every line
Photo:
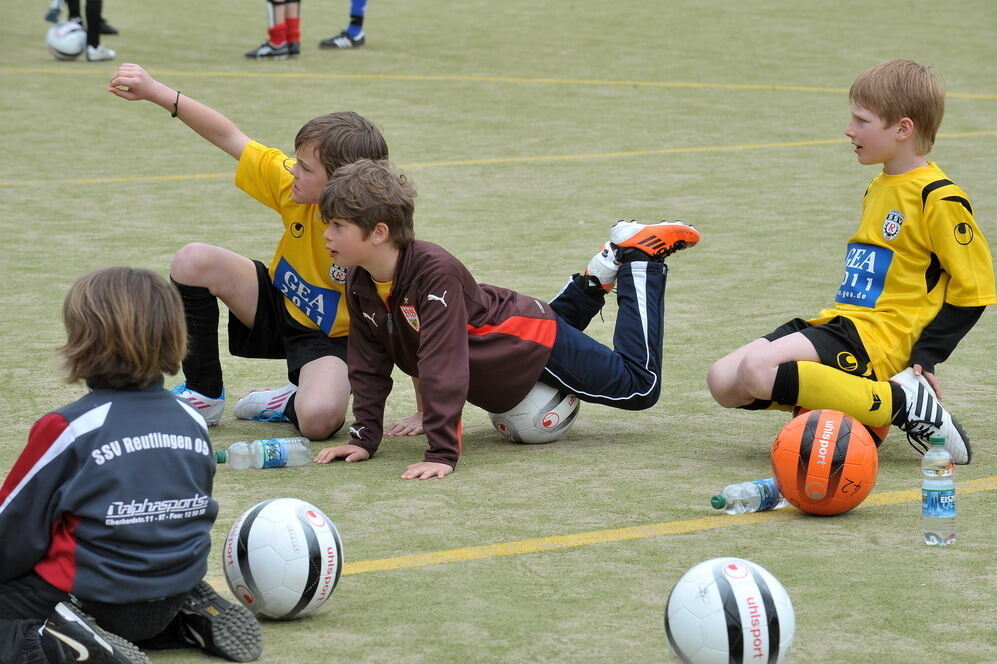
917, 247
301, 268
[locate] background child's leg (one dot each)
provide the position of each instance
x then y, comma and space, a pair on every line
94, 11
357, 11
293, 23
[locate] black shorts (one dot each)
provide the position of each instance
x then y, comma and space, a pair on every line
276, 335
837, 343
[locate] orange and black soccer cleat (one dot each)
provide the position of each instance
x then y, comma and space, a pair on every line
651, 242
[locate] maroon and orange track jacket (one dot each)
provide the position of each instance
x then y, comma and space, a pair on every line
463, 340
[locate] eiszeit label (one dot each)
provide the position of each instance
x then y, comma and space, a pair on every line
938, 503
274, 454
768, 494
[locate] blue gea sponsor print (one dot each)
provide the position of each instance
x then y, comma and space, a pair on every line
317, 303
866, 266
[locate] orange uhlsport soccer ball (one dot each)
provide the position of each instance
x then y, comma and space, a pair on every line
824, 462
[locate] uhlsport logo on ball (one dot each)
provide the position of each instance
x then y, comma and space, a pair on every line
824, 462
283, 558
729, 610
543, 416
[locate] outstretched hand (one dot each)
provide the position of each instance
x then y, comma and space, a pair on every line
133, 83
348, 453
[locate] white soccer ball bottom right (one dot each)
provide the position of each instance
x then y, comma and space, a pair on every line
729, 609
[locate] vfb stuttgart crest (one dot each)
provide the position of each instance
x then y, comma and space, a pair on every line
337, 274
410, 315
891, 225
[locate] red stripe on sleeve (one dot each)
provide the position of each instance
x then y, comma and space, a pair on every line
40, 438
59, 565
538, 330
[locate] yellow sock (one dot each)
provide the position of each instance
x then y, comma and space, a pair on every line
820, 386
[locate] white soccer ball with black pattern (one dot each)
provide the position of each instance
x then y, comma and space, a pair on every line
729, 610
283, 558
66, 40
543, 416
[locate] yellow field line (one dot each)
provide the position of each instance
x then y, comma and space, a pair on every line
467, 78
634, 532
490, 161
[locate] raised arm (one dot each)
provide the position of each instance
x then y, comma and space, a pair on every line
133, 83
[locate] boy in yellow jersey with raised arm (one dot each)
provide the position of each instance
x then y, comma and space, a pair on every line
294, 308
918, 274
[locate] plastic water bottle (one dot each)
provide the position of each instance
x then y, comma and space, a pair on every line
266, 453
756, 496
938, 494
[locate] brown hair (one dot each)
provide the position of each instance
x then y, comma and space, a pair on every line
342, 138
370, 192
124, 328
903, 89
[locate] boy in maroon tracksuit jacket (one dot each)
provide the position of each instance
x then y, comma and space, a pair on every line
412, 304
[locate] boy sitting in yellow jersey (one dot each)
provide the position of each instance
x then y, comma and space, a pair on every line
918, 274
294, 309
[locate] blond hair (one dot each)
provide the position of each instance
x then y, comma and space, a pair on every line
370, 192
903, 89
125, 328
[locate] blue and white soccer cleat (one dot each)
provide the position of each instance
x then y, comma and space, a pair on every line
210, 409
265, 405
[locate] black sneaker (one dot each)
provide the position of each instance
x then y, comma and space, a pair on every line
81, 640
106, 28
52, 15
214, 624
267, 51
293, 48
343, 40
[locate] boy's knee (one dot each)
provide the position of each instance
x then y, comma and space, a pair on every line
756, 376
318, 421
188, 263
721, 379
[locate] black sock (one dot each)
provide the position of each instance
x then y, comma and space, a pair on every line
289, 412
786, 388
899, 404
94, 10
73, 7
202, 367
757, 404
590, 285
